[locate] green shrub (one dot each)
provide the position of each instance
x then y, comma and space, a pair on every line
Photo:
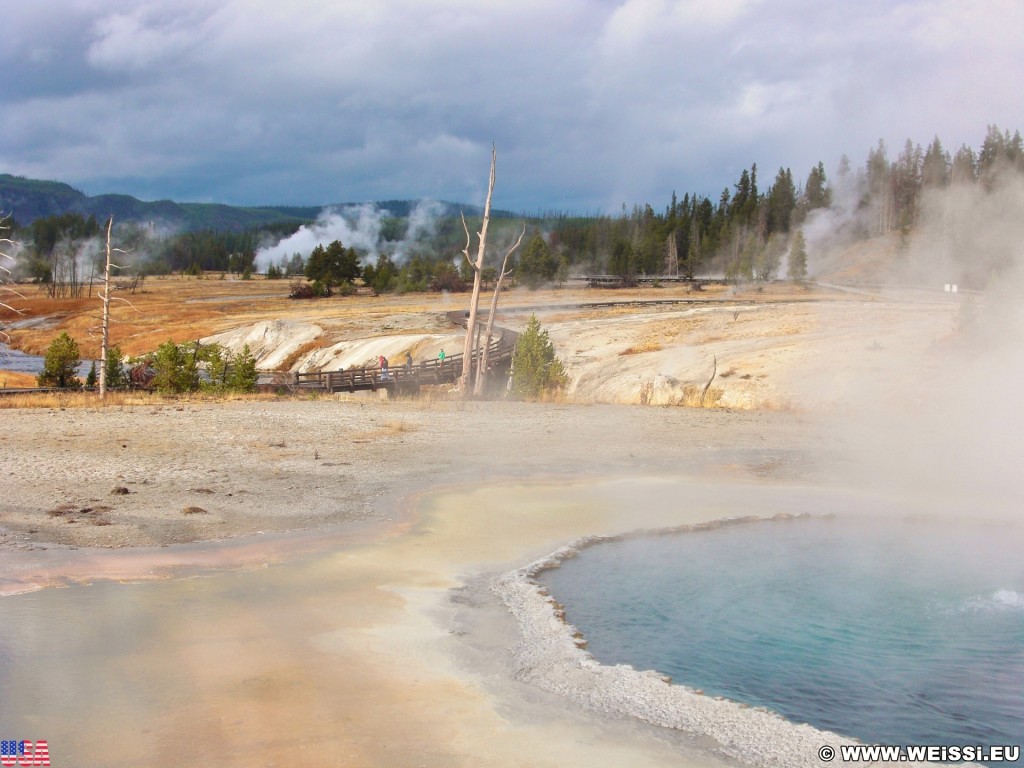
176, 368
227, 372
60, 365
116, 376
535, 369
242, 375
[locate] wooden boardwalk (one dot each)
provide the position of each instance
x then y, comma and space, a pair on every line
617, 281
406, 380
35, 390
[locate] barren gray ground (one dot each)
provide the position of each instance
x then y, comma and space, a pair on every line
170, 473
177, 472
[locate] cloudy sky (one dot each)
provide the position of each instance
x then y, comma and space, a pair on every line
591, 103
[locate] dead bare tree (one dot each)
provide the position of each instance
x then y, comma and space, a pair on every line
481, 372
65, 281
714, 371
105, 297
671, 256
6, 275
477, 266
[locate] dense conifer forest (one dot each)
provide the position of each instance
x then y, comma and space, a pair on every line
747, 232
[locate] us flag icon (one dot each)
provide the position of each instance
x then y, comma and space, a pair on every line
24, 753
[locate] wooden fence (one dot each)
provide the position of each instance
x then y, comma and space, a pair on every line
402, 378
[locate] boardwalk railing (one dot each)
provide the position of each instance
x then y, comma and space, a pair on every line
410, 378
618, 281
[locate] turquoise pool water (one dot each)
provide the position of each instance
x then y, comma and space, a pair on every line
890, 632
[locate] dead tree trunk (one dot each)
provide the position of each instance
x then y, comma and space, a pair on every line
6, 276
467, 356
671, 256
481, 373
105, 320
105, 343
704, 391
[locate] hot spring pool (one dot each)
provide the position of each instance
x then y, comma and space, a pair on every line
890, 632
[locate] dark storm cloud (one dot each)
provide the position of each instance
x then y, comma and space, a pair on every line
590, 103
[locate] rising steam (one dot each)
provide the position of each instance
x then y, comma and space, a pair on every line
356, 226
941, 419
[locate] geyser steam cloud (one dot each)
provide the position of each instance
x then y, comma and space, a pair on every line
943, 421
356, 226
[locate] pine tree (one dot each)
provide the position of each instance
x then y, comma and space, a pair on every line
381, 276
535, 369
562, 272
768, 257
748, 255
936, 165
965, 166
333, 265
879, 192
216, 366
781, 201
622, 262
60, 365
92, 377
316, 263
537, 265
798, 257
739, 209
693, 251
243, 375
296, 264
176, 369
116, 376
816, 192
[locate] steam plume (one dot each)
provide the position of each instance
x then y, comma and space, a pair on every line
356, 226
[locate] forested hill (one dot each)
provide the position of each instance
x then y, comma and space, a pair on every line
28, 199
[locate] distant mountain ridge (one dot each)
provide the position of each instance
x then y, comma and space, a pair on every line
29, 199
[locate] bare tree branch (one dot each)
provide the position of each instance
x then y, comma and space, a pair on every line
706, 386
465, 251
481, 374
467, 357
121, 298
94, 330
5, 281
105, 298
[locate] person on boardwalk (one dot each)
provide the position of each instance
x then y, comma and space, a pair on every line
384, 368
408, 362
440, 356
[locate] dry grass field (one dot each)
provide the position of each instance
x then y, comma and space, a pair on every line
186, 308
768, 346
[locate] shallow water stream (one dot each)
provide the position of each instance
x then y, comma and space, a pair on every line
19, 362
